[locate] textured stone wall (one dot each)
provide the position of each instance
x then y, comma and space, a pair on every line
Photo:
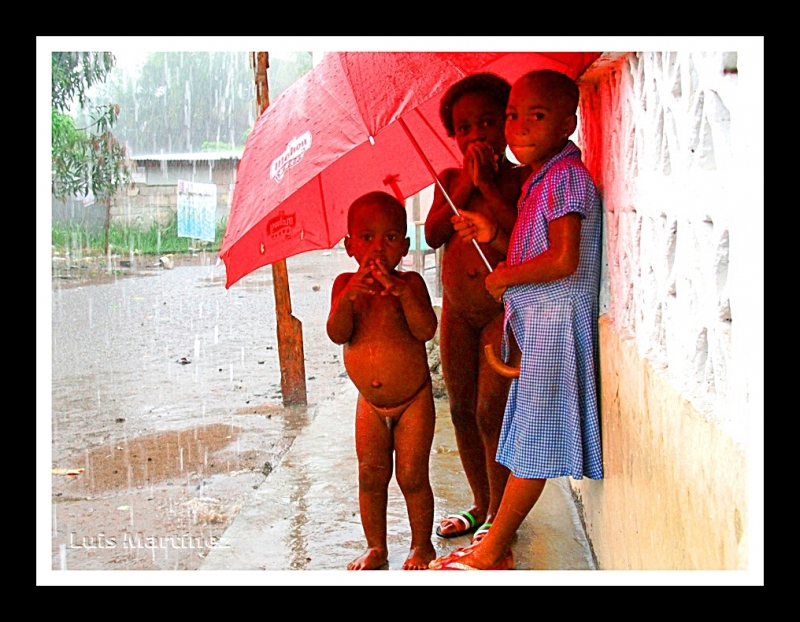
669, 190
659, 134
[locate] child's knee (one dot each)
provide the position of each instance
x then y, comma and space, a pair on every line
462, 414
372, 477
413, 480
489, 418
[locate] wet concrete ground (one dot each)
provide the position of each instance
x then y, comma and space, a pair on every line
166, 394
306, 516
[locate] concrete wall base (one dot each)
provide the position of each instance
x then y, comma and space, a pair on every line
674, 493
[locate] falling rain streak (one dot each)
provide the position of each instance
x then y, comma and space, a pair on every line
156, 365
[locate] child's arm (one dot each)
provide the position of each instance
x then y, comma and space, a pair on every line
340, 318
557, 262
412, 292
459, 187
346, 289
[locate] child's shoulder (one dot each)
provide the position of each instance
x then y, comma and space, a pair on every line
562, 171
409, 276
341, 281
415, 281
343, 276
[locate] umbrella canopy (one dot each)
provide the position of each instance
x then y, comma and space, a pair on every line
333, 135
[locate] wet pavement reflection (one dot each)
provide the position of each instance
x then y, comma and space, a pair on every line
167, 410
166, 394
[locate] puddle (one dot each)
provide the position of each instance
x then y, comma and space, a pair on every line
159, 501
196, 440
152, 459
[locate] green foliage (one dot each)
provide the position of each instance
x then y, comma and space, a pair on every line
183, 101
211, 146
84, 159
74, 73
82, 241
282, 73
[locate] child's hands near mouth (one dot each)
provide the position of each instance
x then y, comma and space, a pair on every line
392, 284
362, 282
481, 164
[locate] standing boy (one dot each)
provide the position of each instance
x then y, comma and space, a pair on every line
384, 318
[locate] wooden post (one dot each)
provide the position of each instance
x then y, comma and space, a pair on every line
290, 340
290, 329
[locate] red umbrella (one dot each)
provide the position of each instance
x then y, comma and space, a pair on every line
334, 135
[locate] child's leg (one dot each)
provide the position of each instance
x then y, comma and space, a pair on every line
518, 500
458, 345
492, 395
413, 437
374, 451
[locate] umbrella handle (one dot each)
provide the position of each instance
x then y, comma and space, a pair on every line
505, 370
441, 187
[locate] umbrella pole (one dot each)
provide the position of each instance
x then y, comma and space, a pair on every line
441, 187
290, 329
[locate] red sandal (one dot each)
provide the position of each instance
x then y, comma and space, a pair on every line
455, 562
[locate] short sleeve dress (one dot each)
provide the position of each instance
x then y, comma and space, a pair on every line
551, 423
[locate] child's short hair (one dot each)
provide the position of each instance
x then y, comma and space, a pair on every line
380, 199
488, 83
560, 86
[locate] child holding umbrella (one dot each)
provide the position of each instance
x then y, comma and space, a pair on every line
550, 289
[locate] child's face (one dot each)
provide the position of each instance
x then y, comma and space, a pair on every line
478, 118
377, 233
537, 125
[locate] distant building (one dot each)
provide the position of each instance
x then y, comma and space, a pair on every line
152, 197
153, 193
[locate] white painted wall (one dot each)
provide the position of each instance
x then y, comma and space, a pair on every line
673, 143
676, 208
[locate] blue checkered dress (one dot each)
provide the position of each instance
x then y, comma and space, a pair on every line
551, 426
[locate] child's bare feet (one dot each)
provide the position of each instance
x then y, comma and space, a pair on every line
419, 557
372, 559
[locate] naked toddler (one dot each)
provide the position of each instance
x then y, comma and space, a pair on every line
384, 318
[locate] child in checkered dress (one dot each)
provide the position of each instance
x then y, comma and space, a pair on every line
549, 285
